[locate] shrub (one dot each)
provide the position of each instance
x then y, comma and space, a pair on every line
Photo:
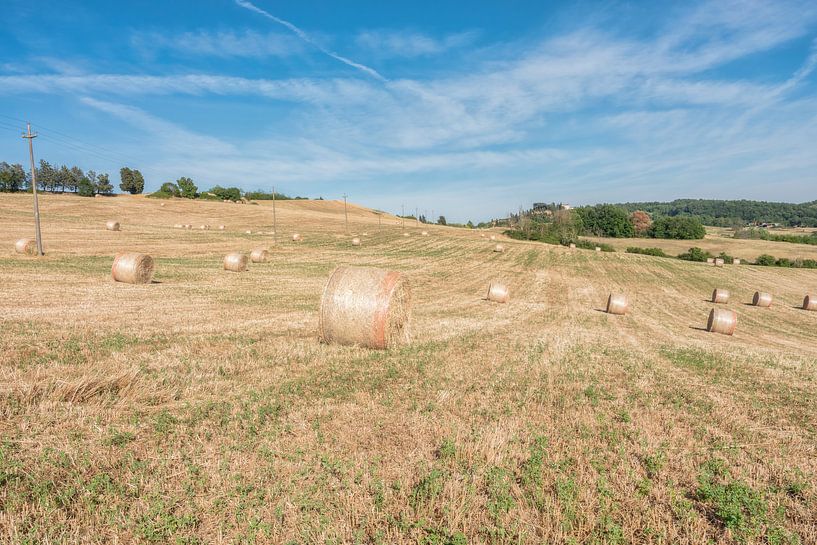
726, 257
765, 260
695, 254
678, 228
590, 245
784, 262
606, 220
658, 252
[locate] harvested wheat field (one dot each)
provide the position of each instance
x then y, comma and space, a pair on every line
203, 408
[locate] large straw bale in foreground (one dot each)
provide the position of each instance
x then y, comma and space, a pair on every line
617, 304
356, 241
367, 307
112, 225
259, 255
720, 295
296, 237
27, 246
498, 293
810, 302
235, 262
762, 299
499, 248
132, 268
722, 320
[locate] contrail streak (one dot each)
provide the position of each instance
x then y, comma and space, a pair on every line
305, 37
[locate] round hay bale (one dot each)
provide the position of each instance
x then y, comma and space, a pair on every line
27, 246
810, 302
188, 226
367, 307
132, 268
296, 237
598, 248
204, 227
617, 304
247, 232
221, 227
178, 226
364, 234
762, 299
259, 255
235, 262
718, 262
482, 235
162, 204
736, 261
572, 246
722, 321
97, 196
112, 225
499, 248
355, 241
720, 296
710, 260
492, 237
424, 233
406, 235
498, 293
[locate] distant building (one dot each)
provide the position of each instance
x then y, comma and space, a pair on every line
564, 206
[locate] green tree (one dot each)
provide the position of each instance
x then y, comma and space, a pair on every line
64, 179
46, 176
677, 227
103, 184
606, 220
132, 181
126, 179
170, 188
229, 193
12, 177
138, 181
85, 187
74, 179
187, 188
441, 221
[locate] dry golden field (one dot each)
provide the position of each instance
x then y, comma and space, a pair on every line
203, 409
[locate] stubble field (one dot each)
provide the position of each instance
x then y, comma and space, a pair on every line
203, 408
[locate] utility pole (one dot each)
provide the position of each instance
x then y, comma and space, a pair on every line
416, 218
274, 218
432, 216
345, 214
37, 233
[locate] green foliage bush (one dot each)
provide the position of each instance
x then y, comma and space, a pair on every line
590, 245
606, 220
658, 252
695, 254
765, 260
677, 227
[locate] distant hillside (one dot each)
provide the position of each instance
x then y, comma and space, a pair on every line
730, 213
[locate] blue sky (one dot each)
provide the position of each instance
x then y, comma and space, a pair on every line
467, 109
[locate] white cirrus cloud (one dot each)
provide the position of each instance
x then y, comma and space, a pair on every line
222, 44
410, 44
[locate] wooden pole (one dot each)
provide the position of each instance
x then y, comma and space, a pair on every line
37, 233
274, 218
